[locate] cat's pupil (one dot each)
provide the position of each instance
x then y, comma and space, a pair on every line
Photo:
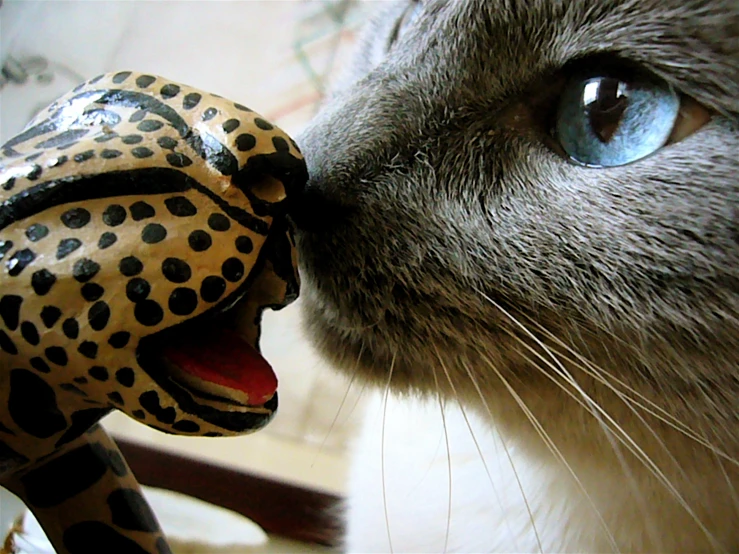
605, 100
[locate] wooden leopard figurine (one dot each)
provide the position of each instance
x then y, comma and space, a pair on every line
142, 232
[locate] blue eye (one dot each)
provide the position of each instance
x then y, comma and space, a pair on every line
604, 121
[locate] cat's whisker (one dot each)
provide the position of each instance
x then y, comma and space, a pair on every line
479, 449
530, 513
382, 453
644, 403
623, 436
588, 404
552, 447
448, 457
341, 406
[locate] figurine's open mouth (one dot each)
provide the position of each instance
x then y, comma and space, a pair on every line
211, 364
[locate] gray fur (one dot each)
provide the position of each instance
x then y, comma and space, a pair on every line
434, 180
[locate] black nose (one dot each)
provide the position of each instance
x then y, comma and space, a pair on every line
323, 202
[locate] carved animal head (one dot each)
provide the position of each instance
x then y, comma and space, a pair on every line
141, 224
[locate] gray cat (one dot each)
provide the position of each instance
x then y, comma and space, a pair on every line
530, 207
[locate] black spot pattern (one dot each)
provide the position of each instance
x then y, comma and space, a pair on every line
138, 414
209, 114
176, 270
82, 420
76, 218
66, 247
71, 328
180, 206
199, 241
84, 156
138, 115
131, 511
280, 144
7, 344
10, 308
148, 313
69, 387
245, 142
56, 355
149, 400
85, 269
98, 315
186, 426
80, 380
131, 139
42, 281
244, 245
35, 172
95, 537
119, 339
121, 76
106, 240
130, 266
231, 125
36, 232
5, 246
141, 210
98, 373
262, 124
81, 467
18, 261
41, 417
92, 292
219, 222
117, 463
114, 215
177, 159
110, 154
125, 376
116, 398
30, 333
233, 269
141, 152
169, 91
183, 301
153, 233
88, 349
168, 143
137, 289
149, 125
191, 100
241, 107
40, 365
50, 315
143, 81
212, 288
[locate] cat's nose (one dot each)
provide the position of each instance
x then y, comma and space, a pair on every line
319, 205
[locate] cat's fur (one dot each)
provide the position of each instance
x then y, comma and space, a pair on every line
448, 248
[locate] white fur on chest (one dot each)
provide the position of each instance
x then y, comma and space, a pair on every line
492, 513
488, 513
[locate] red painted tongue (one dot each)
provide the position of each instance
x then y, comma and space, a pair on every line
222, 357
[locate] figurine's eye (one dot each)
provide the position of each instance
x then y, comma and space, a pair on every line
606, 120
409, 14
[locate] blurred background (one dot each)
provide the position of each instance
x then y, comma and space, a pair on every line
275, 56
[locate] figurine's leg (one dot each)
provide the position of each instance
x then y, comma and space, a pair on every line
88, 501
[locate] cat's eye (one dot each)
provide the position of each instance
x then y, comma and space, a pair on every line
604, 120
409, 14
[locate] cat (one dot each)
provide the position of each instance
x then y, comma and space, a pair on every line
521, 228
